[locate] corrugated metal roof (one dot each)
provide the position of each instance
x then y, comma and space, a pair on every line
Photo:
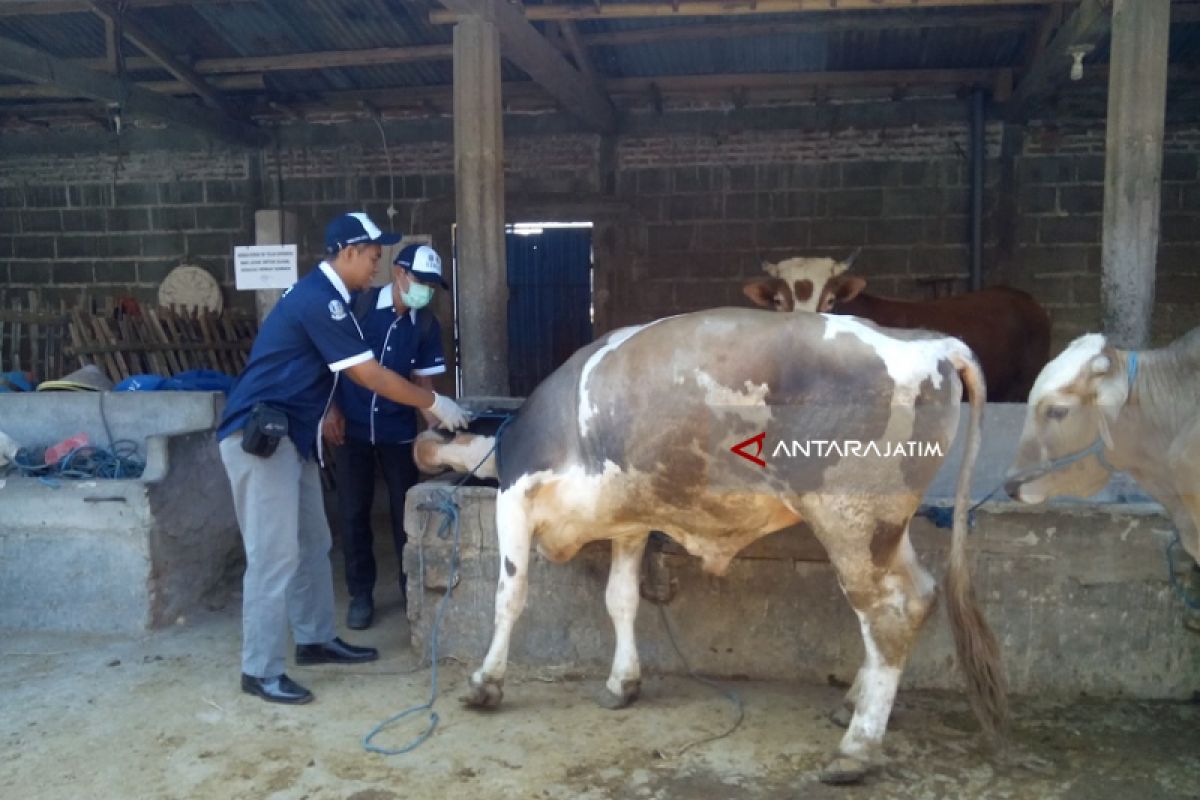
790, 43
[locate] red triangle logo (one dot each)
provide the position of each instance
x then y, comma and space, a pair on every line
757, 441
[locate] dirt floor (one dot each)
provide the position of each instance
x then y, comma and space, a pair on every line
161, 716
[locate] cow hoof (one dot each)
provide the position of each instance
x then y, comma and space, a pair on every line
483, 694
842, 715
613, 701
845, 770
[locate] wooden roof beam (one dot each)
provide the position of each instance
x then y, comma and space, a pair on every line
30, 91
132, 30
38, 67
1083, 30
295, 61
30, 8
727, 8
1006, 18
524, 46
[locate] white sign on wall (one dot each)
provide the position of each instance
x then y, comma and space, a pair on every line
267, 266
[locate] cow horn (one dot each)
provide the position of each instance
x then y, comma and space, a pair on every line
850, 258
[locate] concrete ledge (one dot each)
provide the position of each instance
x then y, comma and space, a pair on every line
115, 555
1078, 596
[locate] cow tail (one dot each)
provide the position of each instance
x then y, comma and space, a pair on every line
976, 645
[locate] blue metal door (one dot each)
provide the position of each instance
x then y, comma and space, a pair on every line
549, 302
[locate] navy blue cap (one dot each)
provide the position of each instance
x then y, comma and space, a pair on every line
423, 262
355, 228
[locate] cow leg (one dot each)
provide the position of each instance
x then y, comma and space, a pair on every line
892, 595
486, 685
625, 680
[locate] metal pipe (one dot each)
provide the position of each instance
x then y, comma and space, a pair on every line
978, 136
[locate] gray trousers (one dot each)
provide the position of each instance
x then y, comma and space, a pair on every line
288, 576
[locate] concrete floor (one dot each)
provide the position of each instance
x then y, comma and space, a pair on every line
161, 716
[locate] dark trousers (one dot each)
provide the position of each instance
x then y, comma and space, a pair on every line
354, 468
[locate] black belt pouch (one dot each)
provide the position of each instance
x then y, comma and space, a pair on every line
263, 430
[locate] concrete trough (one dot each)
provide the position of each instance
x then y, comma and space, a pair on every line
115, 555
1077, 592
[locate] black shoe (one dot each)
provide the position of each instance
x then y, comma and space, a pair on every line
280, 689
361, 612
335, 652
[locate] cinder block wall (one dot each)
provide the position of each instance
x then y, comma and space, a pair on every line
683, 218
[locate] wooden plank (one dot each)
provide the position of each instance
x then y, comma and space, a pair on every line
159, 336
21, 8
34, 331
120, 370
524, 46
15, 340
26, 91
721, 8
39, 67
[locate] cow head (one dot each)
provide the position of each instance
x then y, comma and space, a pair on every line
804, 284
1072, 408
433, 453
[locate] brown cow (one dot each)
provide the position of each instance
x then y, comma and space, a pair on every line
1006, 328
654, 427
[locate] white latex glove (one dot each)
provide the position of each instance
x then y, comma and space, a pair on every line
451, 415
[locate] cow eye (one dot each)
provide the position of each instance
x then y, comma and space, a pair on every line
1056, 412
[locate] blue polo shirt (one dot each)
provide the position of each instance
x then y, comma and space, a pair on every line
307, 339
400, 344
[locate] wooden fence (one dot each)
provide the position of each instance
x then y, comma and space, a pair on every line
122, 339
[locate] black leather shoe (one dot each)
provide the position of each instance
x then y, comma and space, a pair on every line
335, 652
281, 689
362, 611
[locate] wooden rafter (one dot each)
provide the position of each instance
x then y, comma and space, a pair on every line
23, 8
132, 30
578, 49
524, 46
726, 8
1085, 28
1009, 18
31, 91
35, 66
297, 61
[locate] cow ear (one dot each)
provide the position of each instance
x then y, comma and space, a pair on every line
1112, 390
849, 287
769, 293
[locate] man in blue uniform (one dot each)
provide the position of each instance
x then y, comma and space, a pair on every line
406, 338
269, 435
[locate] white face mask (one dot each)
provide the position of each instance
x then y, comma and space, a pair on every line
417, 295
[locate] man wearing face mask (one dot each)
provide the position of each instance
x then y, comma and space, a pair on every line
368, 429
269, 443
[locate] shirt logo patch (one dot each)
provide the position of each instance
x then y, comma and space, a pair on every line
336, 310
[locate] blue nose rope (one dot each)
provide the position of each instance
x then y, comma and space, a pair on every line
449, 528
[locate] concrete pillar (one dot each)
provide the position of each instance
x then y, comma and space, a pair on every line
479, 194
273, 226
1137, 89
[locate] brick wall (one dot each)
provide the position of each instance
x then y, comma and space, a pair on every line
699, 211
1060, 197
716, 207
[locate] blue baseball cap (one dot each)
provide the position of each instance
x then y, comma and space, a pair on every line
355, 228
423, 262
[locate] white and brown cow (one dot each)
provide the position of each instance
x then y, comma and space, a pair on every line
1097, 408
1008, 330
634, 433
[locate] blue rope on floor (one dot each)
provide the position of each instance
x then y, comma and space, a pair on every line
448, 507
